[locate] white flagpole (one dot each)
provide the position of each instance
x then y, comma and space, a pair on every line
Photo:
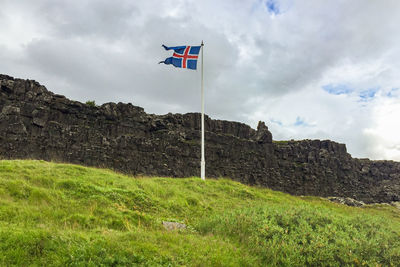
203, 162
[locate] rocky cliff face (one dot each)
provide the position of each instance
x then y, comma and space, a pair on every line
37, 124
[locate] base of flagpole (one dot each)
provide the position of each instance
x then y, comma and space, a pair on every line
203, 170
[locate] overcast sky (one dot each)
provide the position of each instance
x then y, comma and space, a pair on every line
310, 69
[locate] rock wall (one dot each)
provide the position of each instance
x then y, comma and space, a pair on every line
37, 124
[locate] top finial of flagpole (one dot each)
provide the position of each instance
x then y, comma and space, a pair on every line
202, 44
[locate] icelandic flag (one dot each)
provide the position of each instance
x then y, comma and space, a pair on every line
183, 57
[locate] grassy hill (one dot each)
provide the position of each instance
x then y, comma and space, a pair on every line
60, 214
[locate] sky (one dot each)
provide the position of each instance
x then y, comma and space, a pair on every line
310, 69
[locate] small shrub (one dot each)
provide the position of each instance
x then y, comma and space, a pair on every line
91, 103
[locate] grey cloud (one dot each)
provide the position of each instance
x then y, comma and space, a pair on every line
98, 19
108, 51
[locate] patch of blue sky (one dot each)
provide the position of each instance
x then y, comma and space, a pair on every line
338, 89
273, 7
368, 95
276, 122
301, 122
393, 93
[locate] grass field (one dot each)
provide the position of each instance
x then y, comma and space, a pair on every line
68, 215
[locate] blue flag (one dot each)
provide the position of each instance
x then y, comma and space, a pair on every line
184, 56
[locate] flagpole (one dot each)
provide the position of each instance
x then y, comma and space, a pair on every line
203, 162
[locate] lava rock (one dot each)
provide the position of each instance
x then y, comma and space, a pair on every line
38, 124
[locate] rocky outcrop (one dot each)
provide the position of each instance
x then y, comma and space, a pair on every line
347, 201
37, 124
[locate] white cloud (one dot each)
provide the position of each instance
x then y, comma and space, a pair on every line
382, 133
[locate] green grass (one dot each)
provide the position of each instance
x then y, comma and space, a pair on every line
68, 215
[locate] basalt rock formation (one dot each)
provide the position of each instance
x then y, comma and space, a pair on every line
38, 124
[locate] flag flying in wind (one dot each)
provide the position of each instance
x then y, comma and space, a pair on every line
184, 56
